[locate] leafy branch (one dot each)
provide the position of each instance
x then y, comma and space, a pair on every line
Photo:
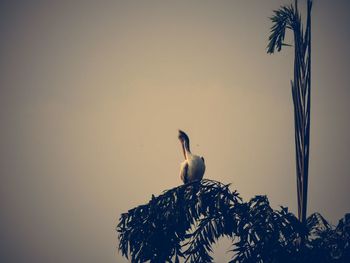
185, 221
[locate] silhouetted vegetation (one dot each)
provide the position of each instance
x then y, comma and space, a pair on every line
288, 17
185, 221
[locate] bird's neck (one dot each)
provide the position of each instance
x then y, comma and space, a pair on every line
186, 149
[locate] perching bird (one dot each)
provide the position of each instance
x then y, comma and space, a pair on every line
193, 168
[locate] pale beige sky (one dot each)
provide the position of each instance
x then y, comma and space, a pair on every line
92, 95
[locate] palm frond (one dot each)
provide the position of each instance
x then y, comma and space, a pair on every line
264, 234
316, 223
288, 17
184, 222
282, 19
156, 230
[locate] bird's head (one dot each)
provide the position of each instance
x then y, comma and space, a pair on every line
183, 136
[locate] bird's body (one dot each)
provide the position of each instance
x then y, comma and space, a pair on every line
193, 168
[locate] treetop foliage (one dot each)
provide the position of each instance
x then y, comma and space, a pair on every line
185, 221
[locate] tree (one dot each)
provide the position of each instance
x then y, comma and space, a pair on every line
185, 221
288, 17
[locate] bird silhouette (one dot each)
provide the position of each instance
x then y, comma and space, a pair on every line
193, 168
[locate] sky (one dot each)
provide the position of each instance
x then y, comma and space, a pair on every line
92, 94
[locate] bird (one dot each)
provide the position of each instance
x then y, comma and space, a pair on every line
193, 168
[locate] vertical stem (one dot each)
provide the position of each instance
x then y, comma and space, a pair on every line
298, 110
308, 110
301, 90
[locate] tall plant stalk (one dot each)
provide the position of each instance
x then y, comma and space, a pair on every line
288, 17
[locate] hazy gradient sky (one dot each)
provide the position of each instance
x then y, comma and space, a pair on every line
93, 92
